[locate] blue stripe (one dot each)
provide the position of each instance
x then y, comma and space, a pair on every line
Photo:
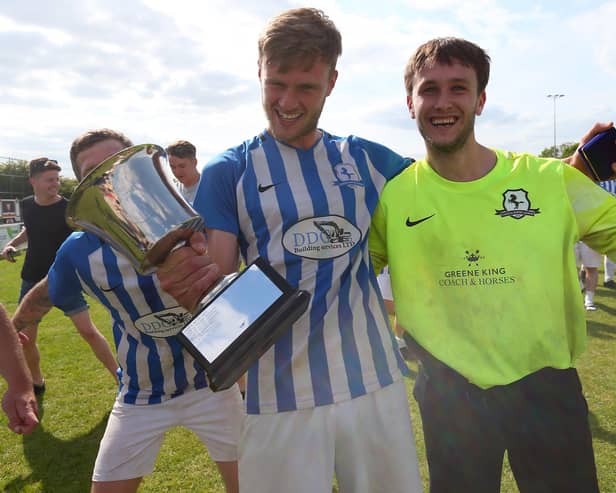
379, 357
252, 387
365, 274
249, 189
113, 275
283, 349
399, 359
131, 357
317, 355
152, 297
348, 342
150, 293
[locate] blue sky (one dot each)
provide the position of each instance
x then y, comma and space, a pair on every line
160, 70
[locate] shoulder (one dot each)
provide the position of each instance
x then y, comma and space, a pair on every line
360, 143
231, 161
27, 201
79, 243
531, 162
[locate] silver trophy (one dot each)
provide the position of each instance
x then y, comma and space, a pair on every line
130, 202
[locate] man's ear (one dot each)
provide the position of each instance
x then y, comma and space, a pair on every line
332, 82
409, 105
481, 101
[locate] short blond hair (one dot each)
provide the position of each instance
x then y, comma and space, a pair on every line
300, 37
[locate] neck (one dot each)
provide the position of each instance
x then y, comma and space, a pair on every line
469, 163
192, 181
304, 142
46, 200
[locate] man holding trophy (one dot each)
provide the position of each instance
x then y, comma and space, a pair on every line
331, 390
161, 385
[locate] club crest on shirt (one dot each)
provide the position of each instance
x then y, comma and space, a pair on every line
347, 175
321, 237
165, 323
516, 204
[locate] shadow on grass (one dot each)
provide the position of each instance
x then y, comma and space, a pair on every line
599, 433
601, 330
59, 465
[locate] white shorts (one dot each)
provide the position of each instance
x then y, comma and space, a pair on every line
586, 256
134, 433
367, 442
385, 284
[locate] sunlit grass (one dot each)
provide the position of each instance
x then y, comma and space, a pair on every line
60, 455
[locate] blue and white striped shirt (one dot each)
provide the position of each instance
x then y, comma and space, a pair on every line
307, 212
609, 186
153, 367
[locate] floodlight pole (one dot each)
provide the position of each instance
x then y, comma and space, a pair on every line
554, 97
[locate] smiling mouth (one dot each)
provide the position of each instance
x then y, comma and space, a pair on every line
289, 117
444, 122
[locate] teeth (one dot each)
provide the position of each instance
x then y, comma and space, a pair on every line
443, 121
289, 116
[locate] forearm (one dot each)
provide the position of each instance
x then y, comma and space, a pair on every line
35, 305
12, 363
102, 350
97, 342
20, 238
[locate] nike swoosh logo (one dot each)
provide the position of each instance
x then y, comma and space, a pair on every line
263, 188
108, 290
410, 223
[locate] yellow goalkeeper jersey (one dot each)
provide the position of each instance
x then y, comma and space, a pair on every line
483, 273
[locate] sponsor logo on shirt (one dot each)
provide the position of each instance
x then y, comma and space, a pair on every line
475, 273
165, 323
321, 237
516, 204
347, 175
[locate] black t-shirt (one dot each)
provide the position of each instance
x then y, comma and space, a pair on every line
47, 230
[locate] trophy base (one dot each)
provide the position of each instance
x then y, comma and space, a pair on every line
241, 321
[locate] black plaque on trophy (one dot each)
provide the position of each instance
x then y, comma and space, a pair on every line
241, 321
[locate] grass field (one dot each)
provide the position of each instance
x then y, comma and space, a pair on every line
59, 456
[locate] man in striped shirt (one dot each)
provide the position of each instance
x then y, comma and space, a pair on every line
329, 396
608, 265
161, 385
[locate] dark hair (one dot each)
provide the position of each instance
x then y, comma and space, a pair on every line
42, 164
91, 137
300, 37
448, 51
182, 149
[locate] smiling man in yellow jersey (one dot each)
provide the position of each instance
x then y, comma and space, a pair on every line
470, 235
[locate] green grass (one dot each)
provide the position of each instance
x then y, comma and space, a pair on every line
59, 456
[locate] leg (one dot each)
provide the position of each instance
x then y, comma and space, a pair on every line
216, 418
130, 445
228, 472
608, 275
31, 351
550, 445
591, 261
590, 286
375, 444
126, 486
464, 445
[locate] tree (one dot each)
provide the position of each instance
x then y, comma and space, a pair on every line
563, 150
14, 182
67, 186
